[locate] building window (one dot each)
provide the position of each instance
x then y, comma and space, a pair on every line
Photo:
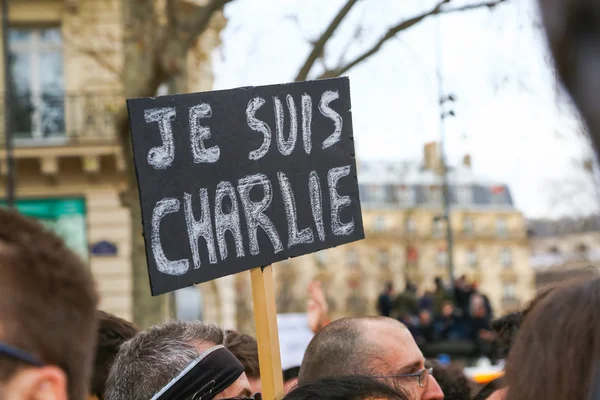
582, 249
377, 193
36, 79
498, 196
383, 257
405, 195
464, 195
501, 227
468, 226
379, 224
352, 258
509, 291
442, 257
410, 226
472, 257
434, 195
412, 257
505, 258
438, 227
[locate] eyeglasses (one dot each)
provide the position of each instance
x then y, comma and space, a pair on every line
422, 376
20, 355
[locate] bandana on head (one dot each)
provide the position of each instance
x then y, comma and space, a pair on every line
208, 375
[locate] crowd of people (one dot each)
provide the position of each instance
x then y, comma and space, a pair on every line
456, 320
56, 345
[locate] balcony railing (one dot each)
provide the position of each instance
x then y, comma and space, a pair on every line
59, 119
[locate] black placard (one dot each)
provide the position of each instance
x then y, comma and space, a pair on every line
252, 175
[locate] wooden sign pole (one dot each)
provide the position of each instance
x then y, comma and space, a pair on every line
267, 335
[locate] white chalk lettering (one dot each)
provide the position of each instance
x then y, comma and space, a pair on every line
327, 111
338, 202
161, 209
294, 237
199, 133
202, 227
307, 122
316, 203
162, 157
259, 126
286, 146
254, 211
227, 220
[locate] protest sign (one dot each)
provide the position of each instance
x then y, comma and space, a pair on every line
237, 179
294, 337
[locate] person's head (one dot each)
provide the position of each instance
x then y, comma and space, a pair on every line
478, 309
375, 346
290, 379
112, 333
493, 390
556, 354
152, 358
389, 287
245, 349
452, 380
507, 326
359, 387
424, 317
448, 309
47, 314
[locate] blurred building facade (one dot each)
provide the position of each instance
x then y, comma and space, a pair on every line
406, 239
564, 249
65, 63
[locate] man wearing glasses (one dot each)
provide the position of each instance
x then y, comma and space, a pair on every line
47, 315
380, 347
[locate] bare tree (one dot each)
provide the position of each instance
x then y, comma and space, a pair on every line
158, 36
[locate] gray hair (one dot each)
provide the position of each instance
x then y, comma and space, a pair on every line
152, 358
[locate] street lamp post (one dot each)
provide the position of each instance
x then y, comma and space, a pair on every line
446, 191
10, 161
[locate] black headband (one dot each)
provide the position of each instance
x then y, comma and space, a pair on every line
209, 374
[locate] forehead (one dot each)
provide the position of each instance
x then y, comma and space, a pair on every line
395, 344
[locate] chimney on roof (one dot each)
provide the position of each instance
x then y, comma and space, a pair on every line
431, 156
467, 160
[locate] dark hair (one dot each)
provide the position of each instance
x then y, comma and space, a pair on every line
489, 389
290, 373
112, 332
508, 326
47, 301
356, 387
452, 381
539, 365
339, 349
245, 349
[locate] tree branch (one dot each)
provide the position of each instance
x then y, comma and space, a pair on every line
199, 21
402, 26
319, 45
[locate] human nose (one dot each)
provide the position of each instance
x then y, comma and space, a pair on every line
433, 391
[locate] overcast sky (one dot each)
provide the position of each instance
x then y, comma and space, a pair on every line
509, 114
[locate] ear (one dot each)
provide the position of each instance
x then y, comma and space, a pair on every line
47, 383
